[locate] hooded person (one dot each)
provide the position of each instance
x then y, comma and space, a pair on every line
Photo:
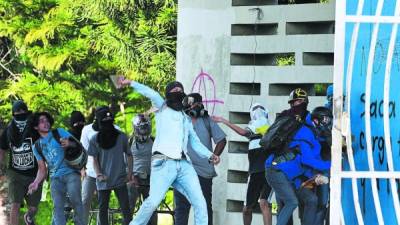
258, 124
108, 134
112, 162
76, 123
193, 105
258, 190
174, 98
208, 132
19, 126
298, 101
17, 140
89, 174
170, 162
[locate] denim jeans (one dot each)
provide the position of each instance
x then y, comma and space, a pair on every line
284, 190
182, 205
309, 202
88, 190
104, 200
141, 191
59, 187
323, 197
182, 176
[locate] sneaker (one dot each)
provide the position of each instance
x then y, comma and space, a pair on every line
28, 219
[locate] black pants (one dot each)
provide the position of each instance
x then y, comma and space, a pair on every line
182, 205
123, 199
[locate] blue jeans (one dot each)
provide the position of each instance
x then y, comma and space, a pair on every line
323, 198
182, 205
88, 190
59, 187
309, 201
182, 176
141, 191
284, 191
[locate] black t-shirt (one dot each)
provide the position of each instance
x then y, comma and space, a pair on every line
256, 156
257, 159
21, 158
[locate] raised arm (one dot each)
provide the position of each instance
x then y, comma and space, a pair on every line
237, 129
144, 90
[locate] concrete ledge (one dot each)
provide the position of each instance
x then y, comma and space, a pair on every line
236, 191
283, 43
282, 74
238, 162
289, 13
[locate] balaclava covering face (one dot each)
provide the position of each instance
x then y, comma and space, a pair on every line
77, 122
174, 99
20, 120
19, 127
108, 135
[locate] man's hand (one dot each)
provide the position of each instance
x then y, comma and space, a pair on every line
33, 187
83, 172
214, 159
65, 143
321, 179
129, 177
101, 177
123, 82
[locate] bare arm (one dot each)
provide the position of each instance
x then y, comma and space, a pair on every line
40, 176
234, 127
219, 147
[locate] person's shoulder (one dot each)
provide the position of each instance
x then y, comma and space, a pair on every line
305, 131
88, 127
63, 132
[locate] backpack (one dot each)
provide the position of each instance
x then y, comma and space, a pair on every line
75, 157
280, 134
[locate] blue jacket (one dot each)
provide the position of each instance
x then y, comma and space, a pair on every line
308, 156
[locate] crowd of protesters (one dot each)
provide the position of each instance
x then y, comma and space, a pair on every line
100, 158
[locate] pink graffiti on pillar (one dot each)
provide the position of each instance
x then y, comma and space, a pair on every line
201, 84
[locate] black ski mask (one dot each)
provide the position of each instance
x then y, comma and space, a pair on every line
108, 135
95, 124
77, 122
19, 127
174, 99
299, 110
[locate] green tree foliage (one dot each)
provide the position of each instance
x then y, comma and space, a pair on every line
73, 46
57, 55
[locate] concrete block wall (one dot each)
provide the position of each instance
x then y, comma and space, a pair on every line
239, 45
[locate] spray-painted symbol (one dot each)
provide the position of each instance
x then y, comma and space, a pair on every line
201, 84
